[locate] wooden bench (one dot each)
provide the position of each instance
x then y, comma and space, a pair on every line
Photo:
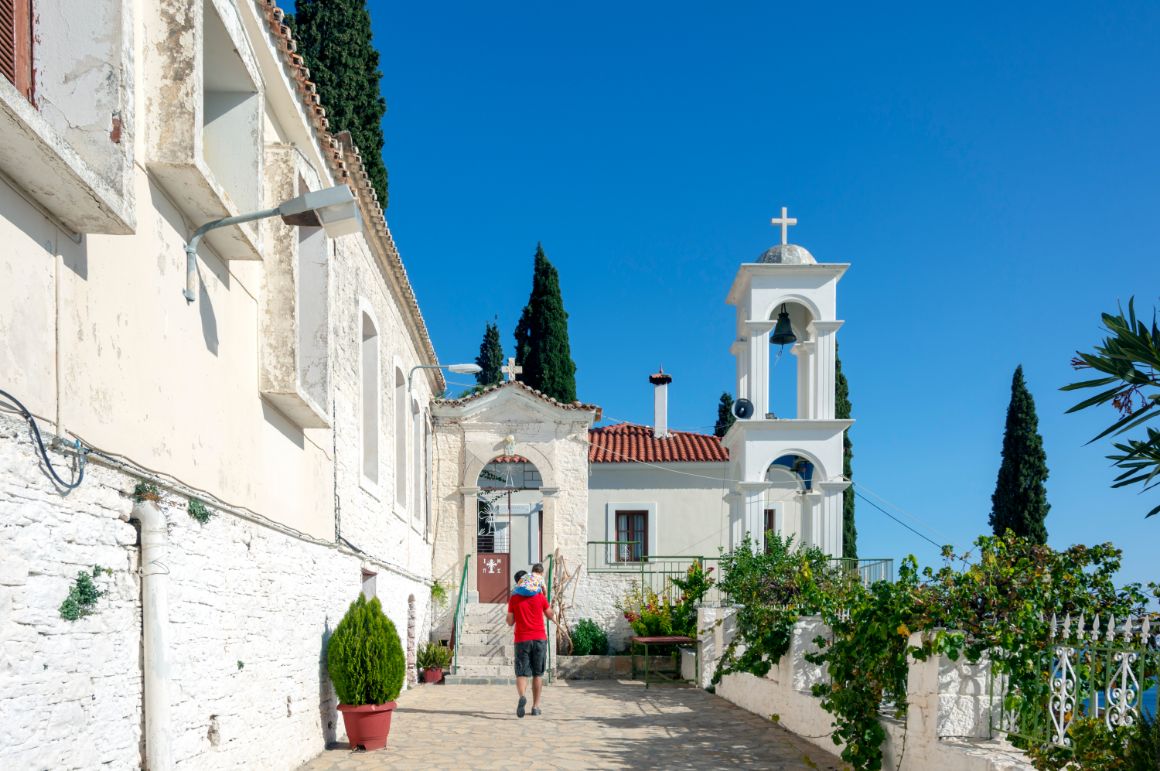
645, 642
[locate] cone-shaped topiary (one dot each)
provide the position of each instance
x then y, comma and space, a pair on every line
365, 656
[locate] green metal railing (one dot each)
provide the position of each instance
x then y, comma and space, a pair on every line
871, 570
457, 621
548, 624
656, 571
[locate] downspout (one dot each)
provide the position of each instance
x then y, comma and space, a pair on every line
155, 633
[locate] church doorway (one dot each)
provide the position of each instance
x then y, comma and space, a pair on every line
510, 524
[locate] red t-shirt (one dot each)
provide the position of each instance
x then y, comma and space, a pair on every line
529, 613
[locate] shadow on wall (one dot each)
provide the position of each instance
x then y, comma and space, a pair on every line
327, 698
279, 421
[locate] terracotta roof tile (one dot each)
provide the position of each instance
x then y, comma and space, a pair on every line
628, 443
577, 405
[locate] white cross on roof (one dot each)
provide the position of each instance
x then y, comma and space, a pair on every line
785, 221
511, 369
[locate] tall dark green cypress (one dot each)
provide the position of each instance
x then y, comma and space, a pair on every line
842, 410
542, 347
725, 417
490, 358
334, 38
1020, 499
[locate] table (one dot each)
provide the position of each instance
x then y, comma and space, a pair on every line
645, 642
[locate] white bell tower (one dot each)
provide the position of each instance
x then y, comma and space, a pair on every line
790, 469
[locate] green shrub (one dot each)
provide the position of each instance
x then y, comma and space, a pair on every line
365, 657
433, 656
588, 639
82, 595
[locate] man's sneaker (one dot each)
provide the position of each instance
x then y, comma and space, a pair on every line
520, 706
536, 711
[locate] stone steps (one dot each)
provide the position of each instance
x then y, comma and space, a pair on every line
475, 662
478, 680
489, 638
507, 651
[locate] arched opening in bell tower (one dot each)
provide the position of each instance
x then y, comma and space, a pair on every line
790, 478
509, 523
789, 364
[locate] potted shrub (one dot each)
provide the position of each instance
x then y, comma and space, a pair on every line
366, 664
433, 658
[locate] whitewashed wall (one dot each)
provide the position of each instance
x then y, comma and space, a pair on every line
239, 593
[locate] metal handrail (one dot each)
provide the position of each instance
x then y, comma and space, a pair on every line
457, 621
548, 623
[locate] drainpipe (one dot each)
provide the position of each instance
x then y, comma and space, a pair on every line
155, 633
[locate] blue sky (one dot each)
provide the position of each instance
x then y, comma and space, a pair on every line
990, 171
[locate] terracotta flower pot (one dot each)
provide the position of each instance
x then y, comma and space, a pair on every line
367, 725
433, 675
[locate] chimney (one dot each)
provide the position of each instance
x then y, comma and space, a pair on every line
660, 383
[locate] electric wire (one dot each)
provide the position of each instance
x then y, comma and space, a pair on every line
81, 451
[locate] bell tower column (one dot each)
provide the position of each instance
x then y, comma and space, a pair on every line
758, 357
824, 369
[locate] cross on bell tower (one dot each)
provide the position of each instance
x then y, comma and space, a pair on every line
785, 221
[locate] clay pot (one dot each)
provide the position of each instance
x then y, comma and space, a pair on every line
433, 675
367, 725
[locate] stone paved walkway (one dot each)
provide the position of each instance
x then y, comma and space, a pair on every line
593, 724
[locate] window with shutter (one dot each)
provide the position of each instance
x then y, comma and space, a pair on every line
16, 44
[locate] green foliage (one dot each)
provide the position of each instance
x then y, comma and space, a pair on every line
771, 589
725, 416
658, 615
433, 656
365, 657
648, 613
198, 511
588, 639
842, 411
1020, 502
334, 37
542, 346
145, 491
490, 358
999, 597
1129, 359
694, 586
438, 593
82, 595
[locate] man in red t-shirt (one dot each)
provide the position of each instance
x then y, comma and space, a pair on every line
527, 615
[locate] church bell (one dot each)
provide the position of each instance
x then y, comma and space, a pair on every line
783, 332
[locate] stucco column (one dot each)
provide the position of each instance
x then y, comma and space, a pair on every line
752, 496
824, 372
758, 333
550, 505
831, 514
806, 399
468, 528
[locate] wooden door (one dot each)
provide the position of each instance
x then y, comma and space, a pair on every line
493, 577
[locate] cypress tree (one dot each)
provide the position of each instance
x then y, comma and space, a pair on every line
334, 38
490, 358
542, 347
725, 415
842, 410
1020, 500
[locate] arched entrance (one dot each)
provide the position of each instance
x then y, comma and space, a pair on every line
509, 524
786, 504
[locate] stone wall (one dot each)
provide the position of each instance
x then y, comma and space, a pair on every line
250, 610
70, 692
947, 724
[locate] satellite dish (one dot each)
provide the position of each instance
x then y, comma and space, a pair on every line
743, 408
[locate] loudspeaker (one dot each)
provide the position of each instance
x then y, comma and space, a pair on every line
743, 408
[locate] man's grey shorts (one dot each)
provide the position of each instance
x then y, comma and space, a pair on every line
530, 656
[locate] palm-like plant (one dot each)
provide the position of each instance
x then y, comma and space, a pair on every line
1129, 358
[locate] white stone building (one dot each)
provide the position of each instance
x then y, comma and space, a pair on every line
281, 396
292, 392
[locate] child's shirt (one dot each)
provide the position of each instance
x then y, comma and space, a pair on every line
530, 585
